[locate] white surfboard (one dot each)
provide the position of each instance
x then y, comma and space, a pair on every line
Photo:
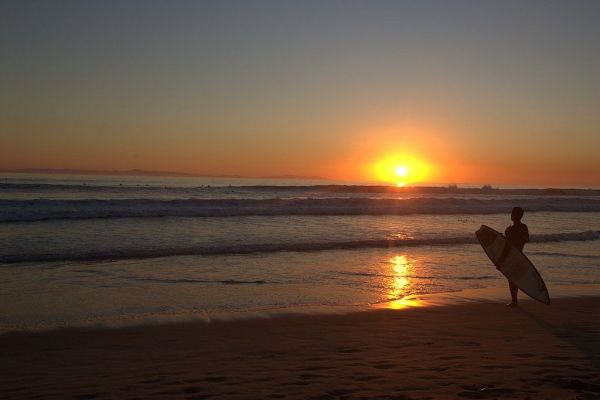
516, 266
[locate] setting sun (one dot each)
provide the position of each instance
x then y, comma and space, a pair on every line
401, 169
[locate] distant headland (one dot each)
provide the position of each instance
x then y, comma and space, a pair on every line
141, 172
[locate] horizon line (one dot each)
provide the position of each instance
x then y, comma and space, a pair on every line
340, 182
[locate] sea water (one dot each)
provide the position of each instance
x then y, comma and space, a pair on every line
81, 250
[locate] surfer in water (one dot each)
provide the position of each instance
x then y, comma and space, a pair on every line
516, 234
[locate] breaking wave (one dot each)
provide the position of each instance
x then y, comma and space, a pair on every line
45, 210
116, 254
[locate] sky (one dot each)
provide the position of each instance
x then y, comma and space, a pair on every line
481, 92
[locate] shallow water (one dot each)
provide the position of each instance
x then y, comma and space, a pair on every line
65, 272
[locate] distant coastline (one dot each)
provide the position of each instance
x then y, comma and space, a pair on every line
141, 172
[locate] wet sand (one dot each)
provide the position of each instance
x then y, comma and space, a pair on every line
474, 350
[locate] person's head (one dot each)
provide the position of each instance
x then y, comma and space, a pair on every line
516, 214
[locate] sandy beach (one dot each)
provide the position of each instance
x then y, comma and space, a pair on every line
472, 351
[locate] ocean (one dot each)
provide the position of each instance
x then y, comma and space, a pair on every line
109, 250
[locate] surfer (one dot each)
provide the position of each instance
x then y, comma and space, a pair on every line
516, 234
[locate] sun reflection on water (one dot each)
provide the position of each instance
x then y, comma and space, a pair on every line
401, 270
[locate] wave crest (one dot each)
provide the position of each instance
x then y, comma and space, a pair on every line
44, 210
275, 247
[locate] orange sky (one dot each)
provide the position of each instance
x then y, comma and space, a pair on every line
351, 157
494, 93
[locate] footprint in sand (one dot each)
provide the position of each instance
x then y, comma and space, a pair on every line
215, 379
264, 379
317, 368
557, 358
347, 350
451, 358
383, 365
366, 378
340, 392
192, 390
355, 364
484, 392
497, 367
87, 396
308, 376
523, 355
468, 344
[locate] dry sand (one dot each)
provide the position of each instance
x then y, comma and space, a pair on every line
470, 351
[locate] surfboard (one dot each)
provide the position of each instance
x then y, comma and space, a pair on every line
516, 266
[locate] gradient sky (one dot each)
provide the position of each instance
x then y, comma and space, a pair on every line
504, 92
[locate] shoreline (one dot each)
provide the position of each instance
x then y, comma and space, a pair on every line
468, 349
491, 295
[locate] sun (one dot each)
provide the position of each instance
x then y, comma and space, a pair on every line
400, 169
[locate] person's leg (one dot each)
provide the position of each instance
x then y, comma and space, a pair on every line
513, 294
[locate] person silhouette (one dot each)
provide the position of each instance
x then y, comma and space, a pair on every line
516, 234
